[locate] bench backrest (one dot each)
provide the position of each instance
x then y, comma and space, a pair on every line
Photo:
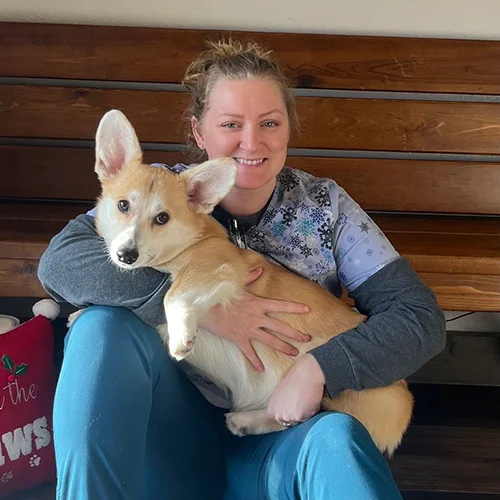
405, 125
409, 127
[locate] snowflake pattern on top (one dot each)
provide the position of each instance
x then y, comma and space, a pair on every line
313, 228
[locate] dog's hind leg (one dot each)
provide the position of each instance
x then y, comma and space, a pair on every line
244, 423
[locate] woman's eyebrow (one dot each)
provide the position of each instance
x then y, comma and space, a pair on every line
236, 115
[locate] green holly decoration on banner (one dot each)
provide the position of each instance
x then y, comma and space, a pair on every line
12, 368
7, 362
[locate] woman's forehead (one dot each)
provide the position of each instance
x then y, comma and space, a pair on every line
253, 95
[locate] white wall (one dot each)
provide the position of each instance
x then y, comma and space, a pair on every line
440, 18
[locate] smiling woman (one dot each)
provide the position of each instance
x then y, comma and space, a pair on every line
241, 107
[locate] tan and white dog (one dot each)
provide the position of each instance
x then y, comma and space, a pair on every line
149, 216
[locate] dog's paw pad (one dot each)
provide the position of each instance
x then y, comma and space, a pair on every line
179, 350
235, 426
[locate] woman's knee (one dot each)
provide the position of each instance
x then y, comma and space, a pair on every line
100, 326
112, 338
95, 320
338, 458
336, 433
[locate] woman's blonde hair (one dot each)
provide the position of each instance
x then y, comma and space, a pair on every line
232, 60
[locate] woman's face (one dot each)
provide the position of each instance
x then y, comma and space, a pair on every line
248, 121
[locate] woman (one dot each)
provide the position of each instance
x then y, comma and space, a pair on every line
129, 424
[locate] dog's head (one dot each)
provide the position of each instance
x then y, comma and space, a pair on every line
148, 215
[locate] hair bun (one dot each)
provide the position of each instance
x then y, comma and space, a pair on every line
218, 52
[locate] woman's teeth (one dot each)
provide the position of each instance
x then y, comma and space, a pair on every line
249, 162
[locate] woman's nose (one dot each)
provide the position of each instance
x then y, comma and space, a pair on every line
250, 138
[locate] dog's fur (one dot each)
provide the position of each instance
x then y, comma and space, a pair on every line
207, 269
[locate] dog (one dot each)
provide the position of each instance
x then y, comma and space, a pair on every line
152, 217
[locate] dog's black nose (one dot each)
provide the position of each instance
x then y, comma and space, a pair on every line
127, 255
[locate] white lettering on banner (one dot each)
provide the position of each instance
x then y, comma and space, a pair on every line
19, 394
23, 440
20, 440
43, 437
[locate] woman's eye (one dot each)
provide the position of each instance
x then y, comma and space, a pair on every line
230, 125
270, 124
161, 219
123, 206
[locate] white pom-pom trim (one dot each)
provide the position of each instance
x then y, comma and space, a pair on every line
47, 308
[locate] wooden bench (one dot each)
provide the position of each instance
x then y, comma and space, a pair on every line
409, 127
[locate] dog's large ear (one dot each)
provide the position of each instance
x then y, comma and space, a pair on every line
116, 144
209, 182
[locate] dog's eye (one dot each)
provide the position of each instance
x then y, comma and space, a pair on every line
162, 218
123, 206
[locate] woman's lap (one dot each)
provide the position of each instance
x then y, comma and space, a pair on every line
142, 430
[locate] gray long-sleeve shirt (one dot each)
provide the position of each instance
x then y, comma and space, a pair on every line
404, 330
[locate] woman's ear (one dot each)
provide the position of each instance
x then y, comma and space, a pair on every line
195, 127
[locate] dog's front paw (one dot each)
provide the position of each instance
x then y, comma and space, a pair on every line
180, 347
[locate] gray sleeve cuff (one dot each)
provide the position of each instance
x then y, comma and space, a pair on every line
336, 367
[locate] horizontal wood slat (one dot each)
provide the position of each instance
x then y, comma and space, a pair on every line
59, 173
411, 185
380, 185
469, 249
311, 60
421, 225
74, 113
363, 124
13, 213
385, 125
27, 239
18, 278
464, 292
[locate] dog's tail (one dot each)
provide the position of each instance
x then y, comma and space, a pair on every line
384, 411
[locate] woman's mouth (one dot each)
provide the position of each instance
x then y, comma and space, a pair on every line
250, 162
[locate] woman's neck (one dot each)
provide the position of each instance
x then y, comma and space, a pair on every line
243, 202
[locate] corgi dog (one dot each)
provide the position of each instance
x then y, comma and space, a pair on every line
152, 217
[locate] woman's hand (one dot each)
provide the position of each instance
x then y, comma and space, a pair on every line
298, 396
247, 320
